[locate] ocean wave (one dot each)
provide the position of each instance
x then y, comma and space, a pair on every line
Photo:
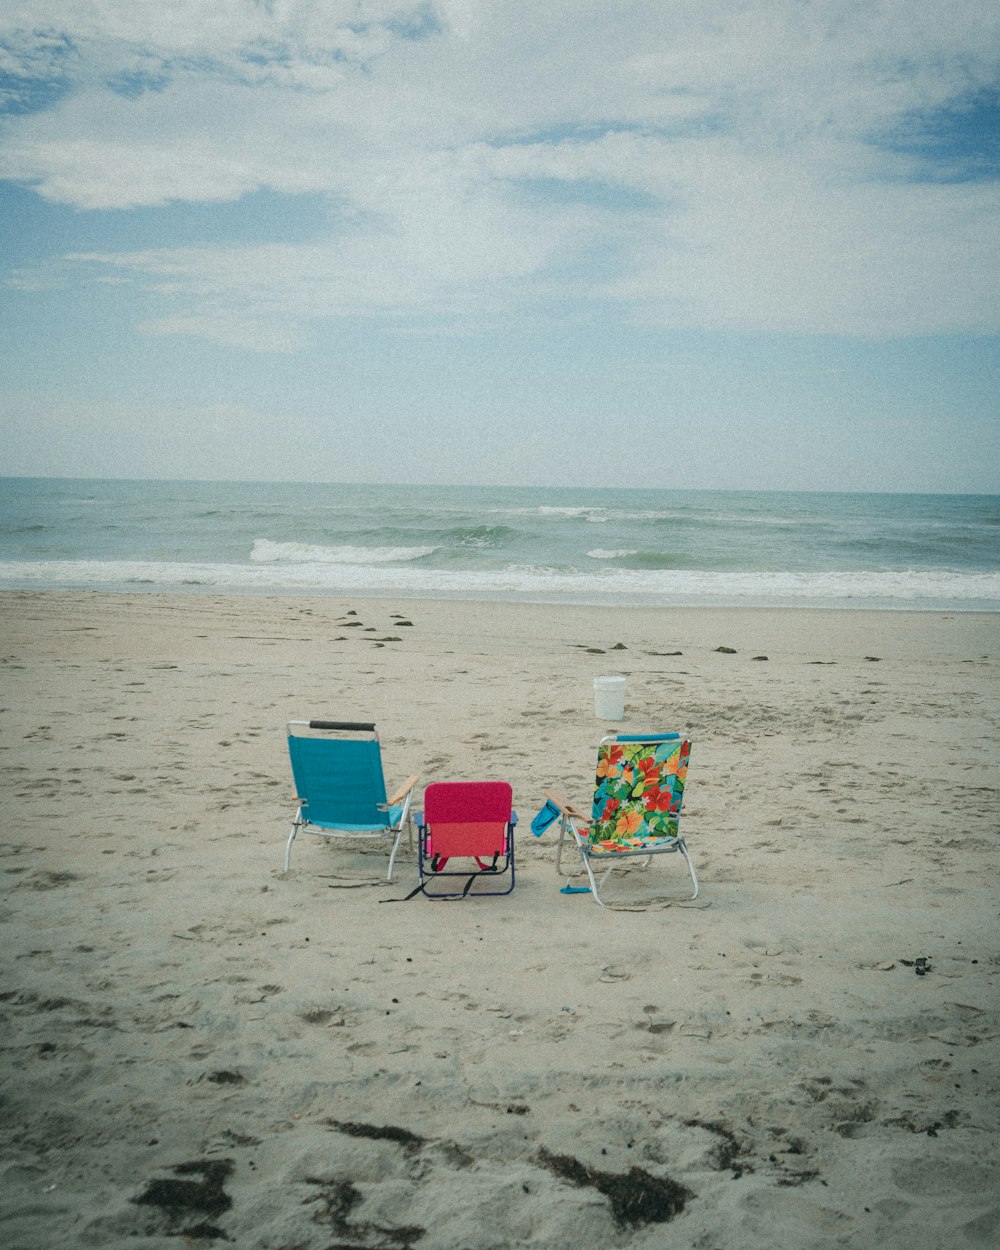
692, 518
267, 552
482, 536
563, 512
912, 589
640, 559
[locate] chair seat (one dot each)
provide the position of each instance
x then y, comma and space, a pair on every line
628, 846
468, 839
392, 819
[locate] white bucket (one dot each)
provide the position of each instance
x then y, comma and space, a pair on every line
609, 698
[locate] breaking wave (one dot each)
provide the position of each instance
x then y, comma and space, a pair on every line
267, 552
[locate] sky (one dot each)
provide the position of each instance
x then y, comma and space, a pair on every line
733, 244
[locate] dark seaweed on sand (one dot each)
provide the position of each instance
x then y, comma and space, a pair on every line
338, 1199
635, 1196
379, 1132
184, 1197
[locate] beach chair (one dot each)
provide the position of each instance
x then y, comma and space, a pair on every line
337, 766
636, 810
468, 825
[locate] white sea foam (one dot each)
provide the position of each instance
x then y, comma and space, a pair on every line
916, 589
597, 516
598, 554
267, 552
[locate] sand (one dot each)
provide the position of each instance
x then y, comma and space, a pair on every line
198, 1047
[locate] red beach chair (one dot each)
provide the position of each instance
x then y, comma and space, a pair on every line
472, 822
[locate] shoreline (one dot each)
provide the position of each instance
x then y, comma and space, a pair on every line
194, 595
490, 1074
800, 628
653, 601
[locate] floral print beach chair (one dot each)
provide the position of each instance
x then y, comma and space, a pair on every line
638, 792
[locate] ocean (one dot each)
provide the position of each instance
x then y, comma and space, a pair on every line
527, 544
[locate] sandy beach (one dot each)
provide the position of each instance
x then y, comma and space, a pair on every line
200, 1047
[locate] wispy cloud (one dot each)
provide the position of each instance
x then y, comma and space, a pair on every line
693, 163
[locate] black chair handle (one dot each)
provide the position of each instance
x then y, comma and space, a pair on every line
341, 724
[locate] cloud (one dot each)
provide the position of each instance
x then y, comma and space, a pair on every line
696, 163
229, 331
199, 141
438, 243
774, 246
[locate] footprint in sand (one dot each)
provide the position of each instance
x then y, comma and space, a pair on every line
614, 973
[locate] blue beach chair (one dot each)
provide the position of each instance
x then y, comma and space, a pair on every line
337, 766
636, 811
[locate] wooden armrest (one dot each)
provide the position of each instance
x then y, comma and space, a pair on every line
565, 806
403, 790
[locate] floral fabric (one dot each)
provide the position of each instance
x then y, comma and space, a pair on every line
638, 794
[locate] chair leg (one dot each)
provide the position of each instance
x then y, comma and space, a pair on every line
594, 888
559, 849
562, 844
291, 839
595, 885
682, 846
395, 848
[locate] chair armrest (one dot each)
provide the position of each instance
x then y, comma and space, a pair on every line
403, 790
565, 806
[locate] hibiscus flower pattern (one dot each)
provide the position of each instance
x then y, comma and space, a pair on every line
638, 794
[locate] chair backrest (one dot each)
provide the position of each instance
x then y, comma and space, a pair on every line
468, 817
339, 780
639, 786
